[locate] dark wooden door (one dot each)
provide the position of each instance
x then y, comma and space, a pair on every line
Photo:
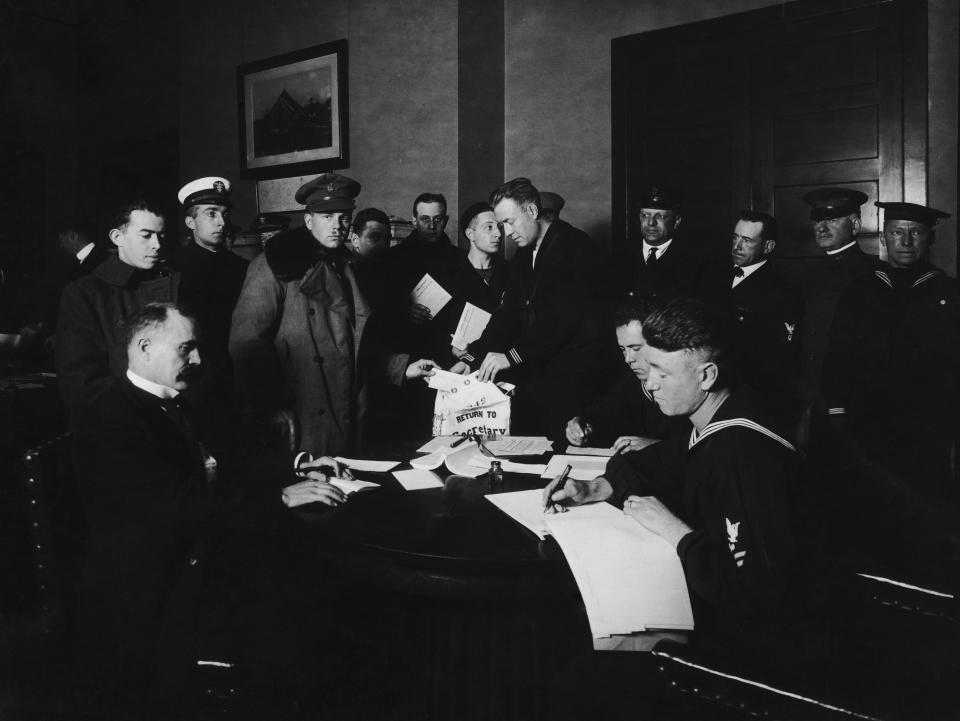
755, 109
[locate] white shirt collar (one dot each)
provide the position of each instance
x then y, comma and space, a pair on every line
84, 252
747, 270
840, 250
154, 389
661, 249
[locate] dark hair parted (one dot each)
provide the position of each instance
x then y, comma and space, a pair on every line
430, 198
519, 190
687, 324
366, 215
634, 310
152, 316
121, 215
769, 230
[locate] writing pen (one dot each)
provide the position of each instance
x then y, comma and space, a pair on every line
459, 441
559, 484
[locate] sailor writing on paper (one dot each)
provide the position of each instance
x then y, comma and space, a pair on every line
626, 415
722, 495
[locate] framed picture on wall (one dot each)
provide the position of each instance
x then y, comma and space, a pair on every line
293, 113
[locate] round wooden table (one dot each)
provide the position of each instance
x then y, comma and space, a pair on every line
476, 611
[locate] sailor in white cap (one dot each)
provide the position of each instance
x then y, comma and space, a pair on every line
210, 276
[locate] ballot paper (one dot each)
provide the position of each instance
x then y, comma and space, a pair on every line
582, 468
350, 485
417, 479
630, 579
526, 508
430, 293
519, 446
472, 323
372, 466
587, 451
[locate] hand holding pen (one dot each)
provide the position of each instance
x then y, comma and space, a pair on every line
556, 492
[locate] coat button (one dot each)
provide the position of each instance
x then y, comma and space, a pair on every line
193, 561
317, 358
322, 412
312, 311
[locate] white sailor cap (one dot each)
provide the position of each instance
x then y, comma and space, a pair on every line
205, 191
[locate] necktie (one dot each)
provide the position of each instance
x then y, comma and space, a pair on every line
737, 271
652, 256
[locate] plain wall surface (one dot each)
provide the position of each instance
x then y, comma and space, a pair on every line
402, 90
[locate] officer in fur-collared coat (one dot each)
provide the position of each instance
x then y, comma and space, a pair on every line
298, 331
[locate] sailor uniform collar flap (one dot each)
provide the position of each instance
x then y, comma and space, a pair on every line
884, 276
719, 425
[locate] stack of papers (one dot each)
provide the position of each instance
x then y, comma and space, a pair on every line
519, 446
629, 578
582, 468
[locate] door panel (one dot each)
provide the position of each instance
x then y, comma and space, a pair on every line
756, 109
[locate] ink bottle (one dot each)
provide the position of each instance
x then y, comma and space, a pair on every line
496, 473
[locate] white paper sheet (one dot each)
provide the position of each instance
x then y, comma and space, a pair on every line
583, 468
417, 479
355, 464
629, 578
473, 321
446, 381
430, 293
526, 507
349, 485
588, 451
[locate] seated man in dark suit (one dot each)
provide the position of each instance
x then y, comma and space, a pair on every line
625, 417
725, 495
765, 311
164, 508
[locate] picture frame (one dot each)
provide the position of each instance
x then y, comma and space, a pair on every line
293, 113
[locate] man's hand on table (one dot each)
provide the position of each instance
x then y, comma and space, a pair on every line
650, 513
317, 487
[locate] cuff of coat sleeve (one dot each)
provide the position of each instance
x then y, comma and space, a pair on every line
513, 357
468, 358
301, 457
